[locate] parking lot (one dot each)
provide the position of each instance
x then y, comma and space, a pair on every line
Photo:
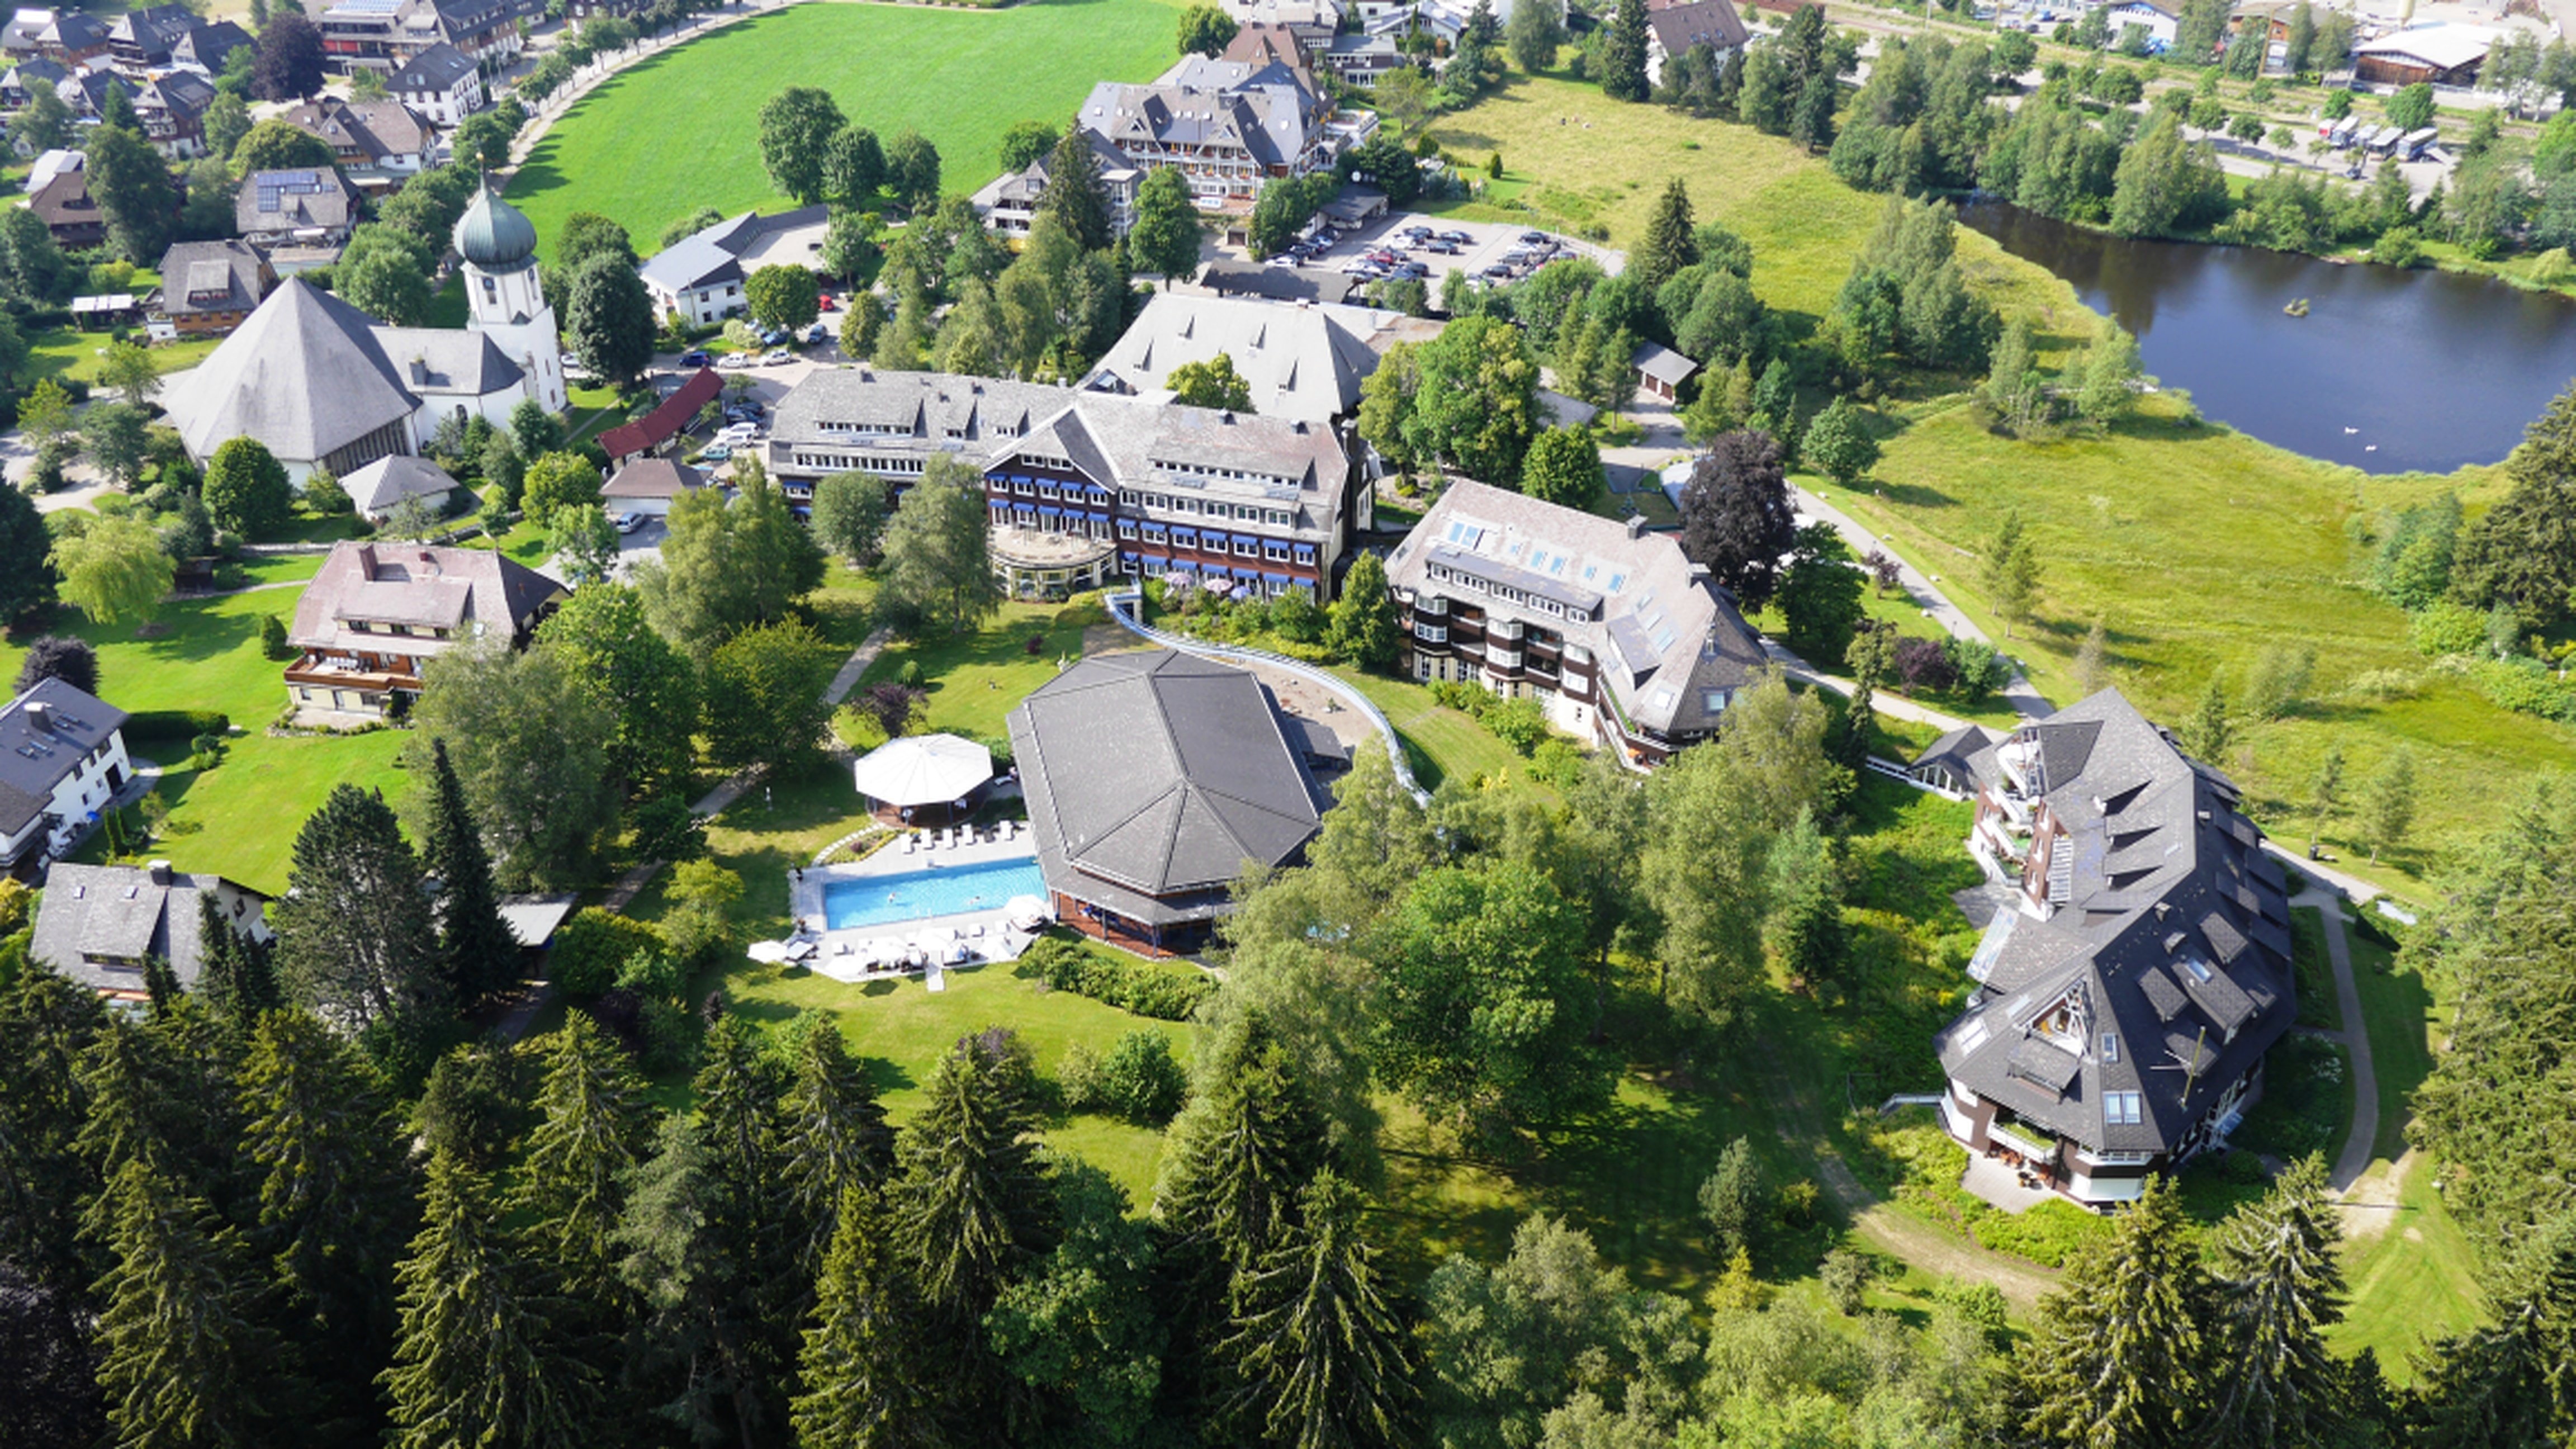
1489, 252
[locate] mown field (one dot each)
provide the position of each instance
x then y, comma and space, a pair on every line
681, 130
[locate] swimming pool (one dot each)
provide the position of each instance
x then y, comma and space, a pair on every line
917, 895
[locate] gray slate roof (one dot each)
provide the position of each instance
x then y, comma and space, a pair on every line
1268, 111
711, 256
654, 478
292, 201
304, 374
383, 484
32, 760
210, 276
435, 70
2167, 931
1153, 778
1712, 23
124, 913
456, 589
444, 361
1301, 362
1662, 363
1663, 635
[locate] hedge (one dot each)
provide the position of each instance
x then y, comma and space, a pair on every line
1166, 993
592, 948
182, 725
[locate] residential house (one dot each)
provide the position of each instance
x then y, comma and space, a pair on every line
700, 278
2160, 18
655, 430
1229, 126
378, 613
378, 144
1154, 779
140, 40
1313, 22
67, 210
442, 83
210, 288
66, 37
62, 759
1082, 487
302, 208
98, 924
20, 85
650, 486
85, 91
2442, 55
1660, 372
1361, 59
172, 107
206, 48
1675, 26
387, 35
1298, 361
1618, 635
2135, 961
1009, 202
385, 485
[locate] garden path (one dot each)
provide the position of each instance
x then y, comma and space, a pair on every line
2359, 1146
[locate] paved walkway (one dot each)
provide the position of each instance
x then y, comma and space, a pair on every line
1927, 596
2360, 1146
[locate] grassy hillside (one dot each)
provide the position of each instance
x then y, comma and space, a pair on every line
681, 130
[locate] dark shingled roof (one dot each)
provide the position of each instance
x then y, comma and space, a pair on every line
2166, 933
1154, 778
95, 919
34, 759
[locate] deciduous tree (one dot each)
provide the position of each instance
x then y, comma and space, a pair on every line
726, 567
66, 657
1205, 30
783, 295
246, 489
1564, 467
529, 741
1166, 235
1212, 384
796, 130
113, 570
764, 697
1736, 515
1364, 624
609, 320
1839, 442
849, 514
646, 685
938, 569
290, 57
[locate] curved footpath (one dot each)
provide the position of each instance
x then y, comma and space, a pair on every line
1122, 601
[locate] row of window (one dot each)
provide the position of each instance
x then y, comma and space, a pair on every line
842, 462
1505, 592
361, 626
1209, 507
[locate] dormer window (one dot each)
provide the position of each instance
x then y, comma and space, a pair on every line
2110, 1047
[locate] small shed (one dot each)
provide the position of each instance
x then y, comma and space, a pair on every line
1661, 371
534, 919
384, 485
650, 486
924, 779
109, 309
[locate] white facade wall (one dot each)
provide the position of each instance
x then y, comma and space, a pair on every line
87, 787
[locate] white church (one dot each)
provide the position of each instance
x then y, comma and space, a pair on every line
325, 385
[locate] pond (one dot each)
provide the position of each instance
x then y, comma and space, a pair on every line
2389, 371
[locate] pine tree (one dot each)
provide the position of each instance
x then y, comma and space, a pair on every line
1624, 78
1238, 1156
2117, 1362
703, 1360
973, 1205
1074, 195
1806, 930
589, 1138
746, 1152
1363, 630
161, 983
335, 1205
182, 1360
2092, 667
860, 1354
1318, 1349
2388, 801
46, 1027
2011, 572
2280, 1287
1670, 243
2206, 734
354, 939
842, 1142
147, 1108
236, 977
479, 1356
478, 954
2512, 1385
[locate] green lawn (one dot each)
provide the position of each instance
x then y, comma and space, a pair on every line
680, 131
974, 680
1440, 743
2412, 1280
67, 352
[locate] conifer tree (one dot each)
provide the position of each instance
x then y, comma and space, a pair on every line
1074, 195
1625, 79
1806, 930
1240, 1153
354, 938
236, 978
479, 1353
1670, 243
478, 954
840, 1135
142, 1111
744, 1154
2280, 1287
2118, 1358
1318, 1350
2512, 1385
973, 1206
46, 1027
590, 1136
335, 1205
702, 1359
182, 1360
860, 1353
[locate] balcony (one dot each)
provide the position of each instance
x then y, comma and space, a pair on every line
346, 671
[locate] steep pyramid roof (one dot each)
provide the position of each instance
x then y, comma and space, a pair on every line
304, 375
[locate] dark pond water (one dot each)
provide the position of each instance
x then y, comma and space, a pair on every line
2389, 371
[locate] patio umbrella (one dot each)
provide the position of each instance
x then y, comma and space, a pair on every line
923, 770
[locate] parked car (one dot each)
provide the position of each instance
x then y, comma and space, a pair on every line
732, 360
818, 333
828, 303
1533, 238
1456, 238
716, 453
696, 357
1361, 268
776, 356
627, 522
1442, 248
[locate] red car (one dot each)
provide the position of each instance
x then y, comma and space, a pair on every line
830, 305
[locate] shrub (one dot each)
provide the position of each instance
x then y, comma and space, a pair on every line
272, 638
176, 726
652, 975
2525, 686
1077, 1081
592, 950
2448, 628
1977, 667
2049, 1234
1141, 1080
1165, 993
1922, 665
1519, 723
1981, 1304
1846, 1276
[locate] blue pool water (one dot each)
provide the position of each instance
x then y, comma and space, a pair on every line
917, 895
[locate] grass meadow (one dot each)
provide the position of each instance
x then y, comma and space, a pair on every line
681, 130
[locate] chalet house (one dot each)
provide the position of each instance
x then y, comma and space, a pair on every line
1618, 635
140, 40
2136, 964
19, 86
66, 37
441, 83
1361, 59
1313, 22
378, 144
386, 35
315, 208
1153, 779
99, 924
172, 107
1084, 486
1297, 362
66, 208
210, 288
1229, 126
206, 48
700, 278
377, 614
2442, 55
1009, 202
62, 759
1677, 25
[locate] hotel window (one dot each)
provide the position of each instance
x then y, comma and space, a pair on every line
1274, 551
1246, 547
1127, 529
2110, 1046
1046, 488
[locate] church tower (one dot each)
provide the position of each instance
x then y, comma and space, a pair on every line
499, 246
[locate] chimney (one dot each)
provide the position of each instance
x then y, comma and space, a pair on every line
40, 716
1226, 418
160, 870
1636, 525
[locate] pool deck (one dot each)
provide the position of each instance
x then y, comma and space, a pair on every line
861, 953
